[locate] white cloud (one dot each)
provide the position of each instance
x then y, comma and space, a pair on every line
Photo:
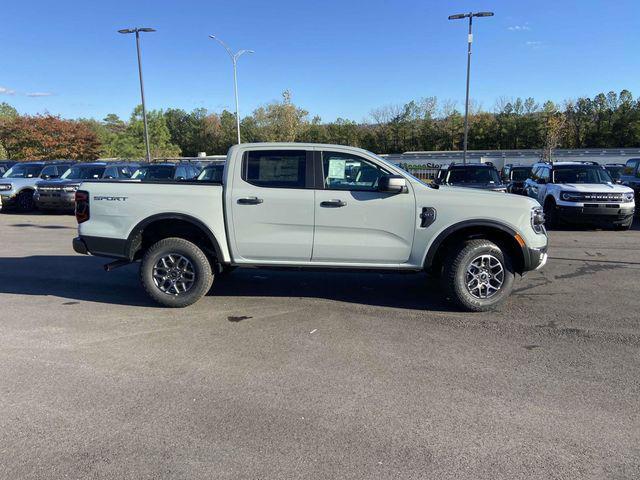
39, 94
6, 91
533, 43
519, 28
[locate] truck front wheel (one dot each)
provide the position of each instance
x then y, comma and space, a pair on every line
478, 275
175, 273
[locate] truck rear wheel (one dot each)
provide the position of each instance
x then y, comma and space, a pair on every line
478, 275
175, 273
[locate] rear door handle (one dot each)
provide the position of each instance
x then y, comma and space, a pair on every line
333, 204
250, 201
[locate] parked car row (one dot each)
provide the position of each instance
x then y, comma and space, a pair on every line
573, 192
577, 192
51, 185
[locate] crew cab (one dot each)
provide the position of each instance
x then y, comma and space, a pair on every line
580, 192
18, 184
300, 205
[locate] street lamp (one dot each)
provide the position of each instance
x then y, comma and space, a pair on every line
234, 58
144, 110
470, 16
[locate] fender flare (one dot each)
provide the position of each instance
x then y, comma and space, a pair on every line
130, 244
456, 227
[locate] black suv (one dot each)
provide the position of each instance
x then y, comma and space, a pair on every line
631, 177
615, 170
471, 175
514, 177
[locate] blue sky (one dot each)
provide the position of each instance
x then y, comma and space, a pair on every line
338, 58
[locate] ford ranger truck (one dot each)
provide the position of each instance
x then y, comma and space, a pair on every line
304, 205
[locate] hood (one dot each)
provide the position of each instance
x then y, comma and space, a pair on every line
594, 187
479, 196
482, 186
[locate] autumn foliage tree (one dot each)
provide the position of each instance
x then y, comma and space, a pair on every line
48, 137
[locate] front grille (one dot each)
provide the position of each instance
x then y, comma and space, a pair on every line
602, 197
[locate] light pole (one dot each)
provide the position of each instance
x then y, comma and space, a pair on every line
470, 16
234, 58
144, 109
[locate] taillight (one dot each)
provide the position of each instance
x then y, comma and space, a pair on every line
82, 206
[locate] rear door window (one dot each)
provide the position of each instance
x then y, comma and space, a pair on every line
276, 168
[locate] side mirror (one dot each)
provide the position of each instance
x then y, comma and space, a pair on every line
393, 184
46, 177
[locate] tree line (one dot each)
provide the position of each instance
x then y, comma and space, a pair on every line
604, 121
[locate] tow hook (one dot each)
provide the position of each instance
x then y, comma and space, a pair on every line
117, 264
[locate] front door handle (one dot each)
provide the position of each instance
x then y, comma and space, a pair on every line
250, 201
333, 204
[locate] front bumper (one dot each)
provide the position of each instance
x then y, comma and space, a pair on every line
535, 258
55, 200
8, 199
602, 213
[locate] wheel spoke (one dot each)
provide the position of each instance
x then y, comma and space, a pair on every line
174, 274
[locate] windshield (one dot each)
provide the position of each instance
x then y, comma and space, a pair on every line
83, 173
472, 175
520, 174
156, 172
581, 174
23, 171
212, 173
615, 172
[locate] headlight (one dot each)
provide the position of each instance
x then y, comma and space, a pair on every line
5, 186
537, 219
571, 196
628, 197
71, 188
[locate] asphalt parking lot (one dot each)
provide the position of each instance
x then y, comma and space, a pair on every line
316, 375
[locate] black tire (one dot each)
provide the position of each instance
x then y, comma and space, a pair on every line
455, 276
550, 213
200, 269
24, 201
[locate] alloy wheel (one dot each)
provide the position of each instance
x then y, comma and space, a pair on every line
484, 276
174, 274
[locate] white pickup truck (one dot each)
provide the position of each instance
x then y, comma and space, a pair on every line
308, 206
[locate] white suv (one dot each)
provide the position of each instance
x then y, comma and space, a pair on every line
580, 192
